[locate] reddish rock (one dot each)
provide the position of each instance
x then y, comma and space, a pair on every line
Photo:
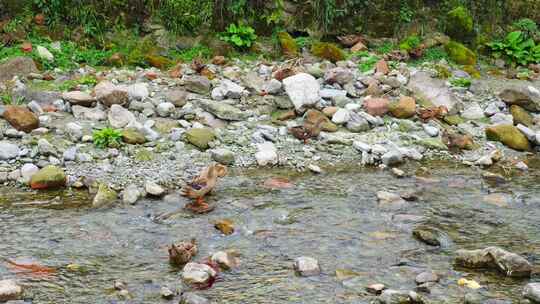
382, 67
376, 106
21, 118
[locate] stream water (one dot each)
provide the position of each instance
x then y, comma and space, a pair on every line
334, 217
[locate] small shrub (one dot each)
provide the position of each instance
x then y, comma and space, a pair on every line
107, 137
410, 43
385, 48
240, 36
288, 45
461, 82
368, 63
516, 47
304, 42
528, 27
197, 51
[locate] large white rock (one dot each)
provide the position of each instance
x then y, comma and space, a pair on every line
341, 116
120, 117
303, 90
138, 91
266, 154
433, 90
473, 111
27, 171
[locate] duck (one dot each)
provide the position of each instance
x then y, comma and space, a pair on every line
456, 141
432, 112
308, 130
202, 185
182, 253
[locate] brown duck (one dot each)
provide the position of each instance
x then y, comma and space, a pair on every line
308, 130
182, 253
202, 186
432, 113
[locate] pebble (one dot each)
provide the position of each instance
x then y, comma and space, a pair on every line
532, 292
27, 171
131, 194
195, 273
191, 298
398, 172
166, 293
376, 288
315, 169
225, 260
425, 277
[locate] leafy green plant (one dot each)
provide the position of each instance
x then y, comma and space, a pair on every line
107, 137
367, 63
304, 42
240, 36
461, 82
84, 80
185, 16
187, 55
528, 27
410, 43
516, 47
406, 14
385, 48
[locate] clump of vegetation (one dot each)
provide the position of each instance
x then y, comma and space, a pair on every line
304, 42
185, 16
516, 48
461, 82
288, 45
240, 36
527, 27
68, 85
187, 55
459, 24
107, 137
410, 43
443, 72
385, 48
367, 61
328, 51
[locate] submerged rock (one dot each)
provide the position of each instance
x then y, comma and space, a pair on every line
104, 196
225, 259
191, 298
509, 263
427, 235
391, 296
532, 292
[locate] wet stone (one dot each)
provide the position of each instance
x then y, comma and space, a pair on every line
427, 235
9, 290
376, 288
306, 266
425, 277
195, 273
191, 298
391, 296
532, 292
166, 293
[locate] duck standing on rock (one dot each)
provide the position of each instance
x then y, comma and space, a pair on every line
202, 186
308, 130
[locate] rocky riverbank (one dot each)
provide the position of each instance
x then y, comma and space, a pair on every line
240, 113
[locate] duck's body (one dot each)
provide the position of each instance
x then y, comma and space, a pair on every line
202, 186
433, 112
182, 253
308, 130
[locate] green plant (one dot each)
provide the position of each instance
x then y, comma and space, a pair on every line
240, 36
461, 82
107, 137
528, 27
187, 55
385, 48
516, 47
185, 16
410, 43
406, 14
84, 80
368, 63
304, 42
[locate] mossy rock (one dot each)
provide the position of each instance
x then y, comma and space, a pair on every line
200, 137
521, 116
459, 24
133, 137
288, 45
443, 72
510, 136
104, 196
460, 53
328, 51
433, 144
50, 177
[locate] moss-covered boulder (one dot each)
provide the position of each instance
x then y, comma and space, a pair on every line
459, 24
510, 136
104, 196
521, 116
460, 53
328, 51
404, 108
159, 62
49, 177
453, 120
133, 137
288, 45
471, 70
200, 137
